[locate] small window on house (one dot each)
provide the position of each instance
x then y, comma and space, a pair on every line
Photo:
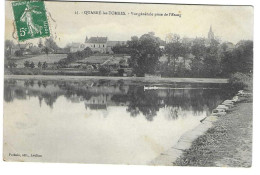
94, 45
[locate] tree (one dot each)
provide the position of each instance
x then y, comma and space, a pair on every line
32, 65
46, 50
44, 65
39, 65
11, 64
240, 59
8, 48
51, 44
121, 49
40, 45
26, 64
244, 55
145, 53
172, 38
212, 60
104, 70
18, 53
174, 50
198, 49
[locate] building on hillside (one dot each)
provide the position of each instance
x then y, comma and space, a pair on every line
97, 44
102, 44
75, 47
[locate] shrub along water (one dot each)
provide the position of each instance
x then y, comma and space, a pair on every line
241, 81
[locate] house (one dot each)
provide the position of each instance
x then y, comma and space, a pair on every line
97, 44
75, 47
102, 44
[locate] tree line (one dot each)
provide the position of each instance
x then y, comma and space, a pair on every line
199, 57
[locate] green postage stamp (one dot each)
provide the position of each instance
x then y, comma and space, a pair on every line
30, 19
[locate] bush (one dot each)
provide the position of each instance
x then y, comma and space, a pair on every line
26, 64
11, 64
121, 72
44, 65
241, 81
32, 65
18, 53
104, 70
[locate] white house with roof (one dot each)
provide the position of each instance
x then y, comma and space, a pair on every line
102, 44
97, 44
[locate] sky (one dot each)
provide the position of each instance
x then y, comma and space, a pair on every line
229, 23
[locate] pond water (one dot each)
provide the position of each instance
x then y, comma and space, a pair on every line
101, 121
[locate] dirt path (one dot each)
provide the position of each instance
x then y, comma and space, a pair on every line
227, 144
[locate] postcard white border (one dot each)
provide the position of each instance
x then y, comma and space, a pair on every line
60, 168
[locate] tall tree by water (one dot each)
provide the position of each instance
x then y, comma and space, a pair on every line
145, 53
174, 50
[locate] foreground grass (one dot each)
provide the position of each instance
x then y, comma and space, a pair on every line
227, 143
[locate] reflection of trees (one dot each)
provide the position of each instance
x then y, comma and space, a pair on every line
144, 102
149, 102
49, 98
173, 113
8, 97
134, 97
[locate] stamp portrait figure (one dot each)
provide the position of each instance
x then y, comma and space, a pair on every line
27, 17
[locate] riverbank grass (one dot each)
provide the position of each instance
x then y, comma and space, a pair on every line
227, 144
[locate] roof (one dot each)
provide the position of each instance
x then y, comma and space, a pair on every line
97, 40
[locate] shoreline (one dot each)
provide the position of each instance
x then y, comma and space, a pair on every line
224, 141
168, 157
141, 79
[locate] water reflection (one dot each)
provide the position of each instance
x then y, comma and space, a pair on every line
99, 95
102, 121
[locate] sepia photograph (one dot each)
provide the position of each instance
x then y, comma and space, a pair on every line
128, 83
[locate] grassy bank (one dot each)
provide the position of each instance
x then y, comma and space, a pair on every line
227, 144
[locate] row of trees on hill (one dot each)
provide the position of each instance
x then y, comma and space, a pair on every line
198, 58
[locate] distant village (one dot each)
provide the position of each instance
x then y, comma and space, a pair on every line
97, 56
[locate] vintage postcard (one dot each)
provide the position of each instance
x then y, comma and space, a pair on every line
128, 83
